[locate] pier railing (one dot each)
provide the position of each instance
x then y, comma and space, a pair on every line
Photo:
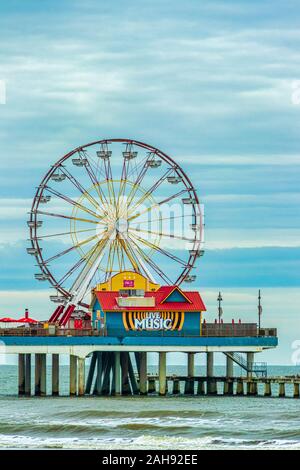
208, 330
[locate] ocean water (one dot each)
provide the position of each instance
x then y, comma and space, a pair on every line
152, 422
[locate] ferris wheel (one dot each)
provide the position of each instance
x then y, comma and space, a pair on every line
109, 206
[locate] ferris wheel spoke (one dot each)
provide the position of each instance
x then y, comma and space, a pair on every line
109, 182
151, 190
111, 259
79, 186
160, 250
65, 233
150, 261
74, 247
160, 219
52, 214
96, 184
78, 264
70, 271
122, 185
138, 181
129, 255
72, 202
164, 201
120, 256
162, 234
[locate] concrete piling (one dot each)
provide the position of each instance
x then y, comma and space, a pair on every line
250, 362
43, 374
281, 390
240, 388
125, 369
28, 375
176, 387
99, 372
55, 374
117, 371
228, 387
296, 390
151, 385
189, 383
73, 375
201, 387
91, 373
162, 373
21, 374
268, 390
81, 376
40, 375
143, 372
211, 383
229, 367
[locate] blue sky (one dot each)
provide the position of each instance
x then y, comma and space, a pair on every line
208, 82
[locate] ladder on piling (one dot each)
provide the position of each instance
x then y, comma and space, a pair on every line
258, 368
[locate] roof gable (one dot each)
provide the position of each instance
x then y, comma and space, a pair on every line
175, 295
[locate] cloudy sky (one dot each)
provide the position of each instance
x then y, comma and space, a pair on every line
212, 83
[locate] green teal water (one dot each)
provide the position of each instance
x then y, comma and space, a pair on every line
147, 422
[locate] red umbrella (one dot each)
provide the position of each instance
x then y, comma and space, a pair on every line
7, 320
26, 319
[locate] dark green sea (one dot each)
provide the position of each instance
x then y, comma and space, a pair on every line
147, 422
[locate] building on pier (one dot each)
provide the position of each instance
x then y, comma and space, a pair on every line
129, 305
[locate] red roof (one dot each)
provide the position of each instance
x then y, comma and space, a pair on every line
108, 301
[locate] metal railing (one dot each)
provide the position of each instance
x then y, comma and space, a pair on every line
208, 330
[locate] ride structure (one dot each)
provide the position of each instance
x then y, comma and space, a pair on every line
111, 206
116, 228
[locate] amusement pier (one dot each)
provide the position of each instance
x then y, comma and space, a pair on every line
118, 252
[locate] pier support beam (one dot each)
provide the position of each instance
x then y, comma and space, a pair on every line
281, 389
189, 383
125, 369
21, 372
211, 383
162, 372
229, 367
37, 375
228, 387
73, 375
250, 361
43, 374
55, 374
117, 371
132, 377
107, 367
91, 373
99, 372
251, 388
240, 388
201, 387
28, 375
81, 376
268, 390
176, 387
296, 390
143, 373
40, 375
151, 385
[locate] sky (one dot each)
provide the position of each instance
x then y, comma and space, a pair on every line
212, 83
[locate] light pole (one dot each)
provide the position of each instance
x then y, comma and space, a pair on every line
220, 310
259, 310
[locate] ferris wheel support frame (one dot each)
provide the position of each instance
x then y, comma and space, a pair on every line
75, 295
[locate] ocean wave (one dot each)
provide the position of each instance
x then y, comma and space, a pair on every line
146, 442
